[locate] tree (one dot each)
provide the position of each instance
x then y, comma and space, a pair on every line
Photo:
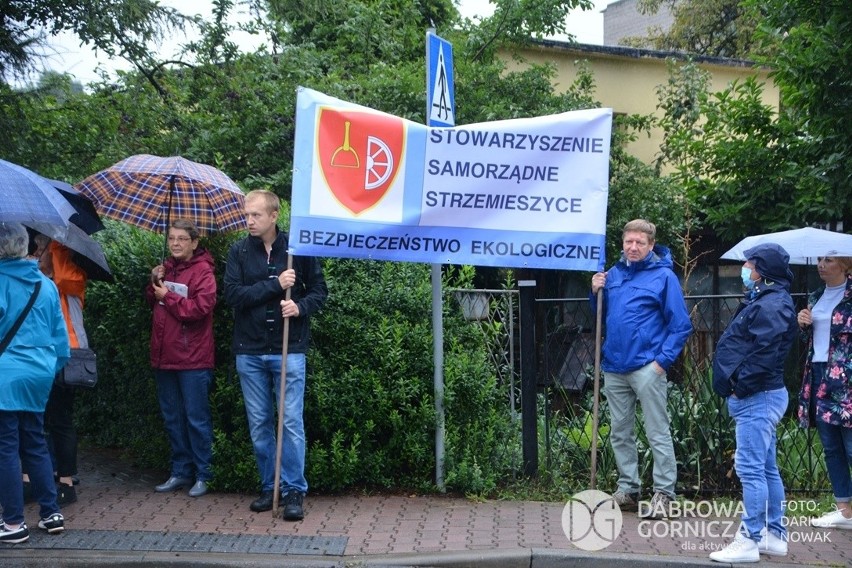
730, 155
810, 66
718, 28
519, 21
748, 167
118, 28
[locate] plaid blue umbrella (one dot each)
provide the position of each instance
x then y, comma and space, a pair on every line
26, 197
148, 191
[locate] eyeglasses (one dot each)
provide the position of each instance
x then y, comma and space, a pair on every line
179, 239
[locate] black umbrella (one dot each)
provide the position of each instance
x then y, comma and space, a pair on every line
88, 253
86, 216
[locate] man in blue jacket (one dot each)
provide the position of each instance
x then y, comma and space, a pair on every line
748, 370
256, 278
647, 326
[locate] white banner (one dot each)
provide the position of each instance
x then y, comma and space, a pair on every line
515, 193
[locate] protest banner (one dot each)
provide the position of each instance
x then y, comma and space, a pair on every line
516, 193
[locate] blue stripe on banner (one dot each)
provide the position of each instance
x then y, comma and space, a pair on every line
447, 245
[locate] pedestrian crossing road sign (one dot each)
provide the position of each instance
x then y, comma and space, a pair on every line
440, 91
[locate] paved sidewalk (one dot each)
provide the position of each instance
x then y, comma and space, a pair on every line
119, 520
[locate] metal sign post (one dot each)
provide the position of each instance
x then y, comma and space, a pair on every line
440, 111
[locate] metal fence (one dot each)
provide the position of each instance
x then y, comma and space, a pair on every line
703, 432
495, 312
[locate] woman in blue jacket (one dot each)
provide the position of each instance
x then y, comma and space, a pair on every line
748, 371
28, 364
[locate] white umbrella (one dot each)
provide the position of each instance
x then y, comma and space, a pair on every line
803, 245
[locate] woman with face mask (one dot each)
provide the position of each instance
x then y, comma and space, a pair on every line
825, 401
748, 372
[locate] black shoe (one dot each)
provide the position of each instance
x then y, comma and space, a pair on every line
293, 506
626, 501
74, 479
262, 503
65, 494
14, 536
53, 524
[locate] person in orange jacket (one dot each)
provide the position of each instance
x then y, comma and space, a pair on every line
57, 263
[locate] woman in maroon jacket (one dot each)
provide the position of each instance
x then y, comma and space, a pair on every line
182, 293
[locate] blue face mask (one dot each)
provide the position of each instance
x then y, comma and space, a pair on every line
745, 274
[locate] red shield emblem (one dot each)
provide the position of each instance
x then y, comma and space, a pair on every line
360, 154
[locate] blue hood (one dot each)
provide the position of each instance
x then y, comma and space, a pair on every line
659, 257
772, 263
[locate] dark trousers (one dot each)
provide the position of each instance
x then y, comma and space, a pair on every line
61, 434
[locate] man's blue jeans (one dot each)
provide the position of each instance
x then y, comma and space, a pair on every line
260, 379
185, 406
24, 431
756, 419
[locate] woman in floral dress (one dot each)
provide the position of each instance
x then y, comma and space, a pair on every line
826, 397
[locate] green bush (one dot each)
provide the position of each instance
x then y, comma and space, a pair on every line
122, 410
370, 411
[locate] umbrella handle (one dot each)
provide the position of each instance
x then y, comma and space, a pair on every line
280, 440
168, 218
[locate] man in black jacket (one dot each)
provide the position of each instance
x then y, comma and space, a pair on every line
256, 278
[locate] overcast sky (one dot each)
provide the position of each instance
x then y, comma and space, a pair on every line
81, 62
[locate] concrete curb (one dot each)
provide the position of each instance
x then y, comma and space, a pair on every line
518, 558
13, 558
533, 558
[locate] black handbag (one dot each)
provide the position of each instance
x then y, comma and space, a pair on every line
81, 370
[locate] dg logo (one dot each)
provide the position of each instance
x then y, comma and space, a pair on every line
591, 520
359, 154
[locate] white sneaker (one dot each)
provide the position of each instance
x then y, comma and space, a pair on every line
742, 549
771, 544
832, 520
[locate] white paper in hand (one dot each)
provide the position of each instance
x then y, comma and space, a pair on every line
177, 288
